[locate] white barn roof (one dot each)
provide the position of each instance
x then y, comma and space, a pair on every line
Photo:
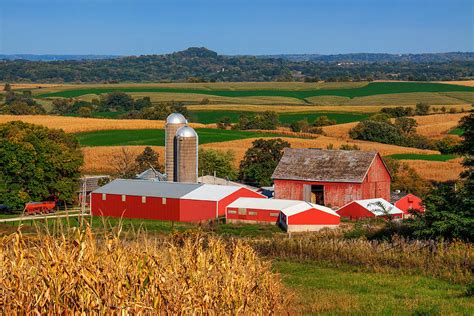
287, 207
211, 192
379, 206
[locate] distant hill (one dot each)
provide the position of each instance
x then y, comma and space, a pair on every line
197, 64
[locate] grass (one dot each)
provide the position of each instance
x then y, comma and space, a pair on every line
423, 157
156, 137
456, 131
208, 117
374, 88
330, 291
109, 115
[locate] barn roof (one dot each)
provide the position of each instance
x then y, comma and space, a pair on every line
288, 207
377, 206
148, 188
189, 191
324, 165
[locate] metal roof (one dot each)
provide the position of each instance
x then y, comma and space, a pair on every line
324, 165
176, 118
287, 207
377, 206
208, 179
148, 188
210, 192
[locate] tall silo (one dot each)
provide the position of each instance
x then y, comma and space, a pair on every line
173, 122
186, 155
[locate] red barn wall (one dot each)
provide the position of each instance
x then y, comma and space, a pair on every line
313, 217
195, 210
262, 216
354, 211
336, 194
134, 208
377, 181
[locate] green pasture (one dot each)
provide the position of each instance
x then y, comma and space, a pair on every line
111, 115
433, 157
456, 131
156, 137
343, 290
373, 88
214, 116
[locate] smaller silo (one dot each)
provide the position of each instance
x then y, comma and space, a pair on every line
174, 122
186, 155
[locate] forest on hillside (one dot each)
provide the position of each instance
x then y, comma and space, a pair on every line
203, 65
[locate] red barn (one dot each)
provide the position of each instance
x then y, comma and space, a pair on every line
173, 201
331, 177
369, 208
408, 203
292, 215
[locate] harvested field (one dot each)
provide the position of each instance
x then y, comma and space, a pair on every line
468, 83
437, 125
437, 170
78, 124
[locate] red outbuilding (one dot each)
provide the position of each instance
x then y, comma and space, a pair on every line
369, 208
292, 215
410, 203
331, 177
173, 201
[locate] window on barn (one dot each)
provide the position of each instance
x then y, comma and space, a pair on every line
124, 197
242, 211
104, 196
163, 201
253, 213
274, 214
143, 199
231, 212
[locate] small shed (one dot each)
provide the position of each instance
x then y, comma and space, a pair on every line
148, 199
369, 208
410, 203
309, 217
331, 178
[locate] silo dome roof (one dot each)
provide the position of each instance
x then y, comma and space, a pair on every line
176, 118
186, 131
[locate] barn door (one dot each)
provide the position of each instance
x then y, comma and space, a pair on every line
307, 192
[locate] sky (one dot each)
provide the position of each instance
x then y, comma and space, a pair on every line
136, 27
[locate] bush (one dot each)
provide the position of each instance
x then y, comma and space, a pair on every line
267, 120
398, 111
422, 109
377, 132
323, 121
220, 163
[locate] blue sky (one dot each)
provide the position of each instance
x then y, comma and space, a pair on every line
134, 27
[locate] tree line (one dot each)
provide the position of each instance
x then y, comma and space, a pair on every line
203, 65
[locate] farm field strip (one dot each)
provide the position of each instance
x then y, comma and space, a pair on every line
423, 157
374, 88
156, 137
213, 116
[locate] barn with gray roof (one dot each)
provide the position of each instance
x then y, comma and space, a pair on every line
331, 177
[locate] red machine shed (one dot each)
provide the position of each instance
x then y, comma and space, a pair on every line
309, 217
252, 210
331, 177
410, 202
185, 202
369, 208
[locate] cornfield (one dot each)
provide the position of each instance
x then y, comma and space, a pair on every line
77, 272
451, 261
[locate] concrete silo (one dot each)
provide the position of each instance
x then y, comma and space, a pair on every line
173, 122
186, 155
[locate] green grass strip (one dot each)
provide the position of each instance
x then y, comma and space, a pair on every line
373, 88
433, 157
